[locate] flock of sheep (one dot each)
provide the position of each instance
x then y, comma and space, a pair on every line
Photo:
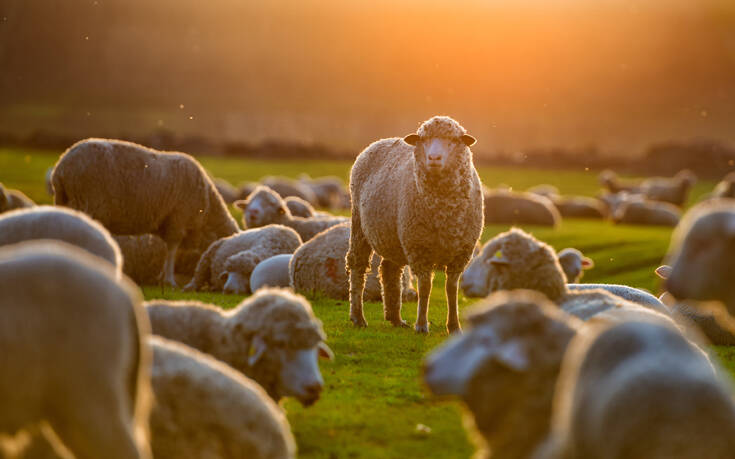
547, 368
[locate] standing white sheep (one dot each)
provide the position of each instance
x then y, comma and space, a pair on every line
416, 201
273, 337
73, 354
132, 189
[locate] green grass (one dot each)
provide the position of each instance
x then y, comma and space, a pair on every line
373, 399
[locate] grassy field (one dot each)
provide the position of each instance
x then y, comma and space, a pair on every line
373, 399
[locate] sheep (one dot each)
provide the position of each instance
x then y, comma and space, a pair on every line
646, 212
246, 188
701, 257
515, 259
271, 272
571, 206
264, 206
132, 189
612, 201
547, 191
70, 226
286, 187
329, 191
504, 367
227, 264
13, 199
510, 207
145, 254
228, 192
573, 263
272, 337
298, 207
74, 356
319, 266
206, 409
726, 187
609, 180
416, 201
673, 190
639, 389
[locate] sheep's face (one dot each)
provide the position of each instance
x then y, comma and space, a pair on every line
238, 269
262, 207
702, 267
573, 263
435, 154
475, 282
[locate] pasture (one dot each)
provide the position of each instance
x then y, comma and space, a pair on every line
373, 404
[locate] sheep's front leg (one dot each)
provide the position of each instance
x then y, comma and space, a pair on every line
168, 267
422, 320
452, 311
390, 278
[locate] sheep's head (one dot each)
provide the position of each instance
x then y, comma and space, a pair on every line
514, 260
510, 353
238, 269
263, 207
279, 341
686, 177
573, 263
701, 254
441, 143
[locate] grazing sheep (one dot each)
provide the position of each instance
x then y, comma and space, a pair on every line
228, 192
609, 180
227, 263
644, 212
299, 207
573, 263
517, 260
701, 254
319, 266
639, 390
264, 207
416, 201
504, 367
673, 190
73, 354
132, 189
206, 409
13, 199
579, 207
511, 207
271, 272
286, 187
329, 191
272, 337
145, 254
72, 227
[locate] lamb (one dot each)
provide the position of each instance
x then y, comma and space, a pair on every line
319, 266
13, 199
416, 201
646, 212
510, 207
673, 190
271, 272
573, 263
515, 259
227, 264
206, 409
132, 189
299, 207
145, 254
504, 367
72, 335
72, 227
639, 389
272, 337
228, 192
286, 187
264, 207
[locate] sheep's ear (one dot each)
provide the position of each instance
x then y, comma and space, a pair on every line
412, 139
257, 348
241, 204
468, 140
587, 263
325, 352
499, 259
513, 355
663, 271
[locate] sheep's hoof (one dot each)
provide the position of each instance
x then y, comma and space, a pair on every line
454, 329
421, 328
359, 321
188, 288
400, 323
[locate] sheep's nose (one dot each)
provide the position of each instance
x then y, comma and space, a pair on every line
435, 156
313, 389
253, 212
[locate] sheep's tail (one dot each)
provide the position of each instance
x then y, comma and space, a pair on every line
202, 273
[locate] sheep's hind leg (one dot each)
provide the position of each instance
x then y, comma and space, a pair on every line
358, 260
422, 312
168, 267
390, 279
452, 311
